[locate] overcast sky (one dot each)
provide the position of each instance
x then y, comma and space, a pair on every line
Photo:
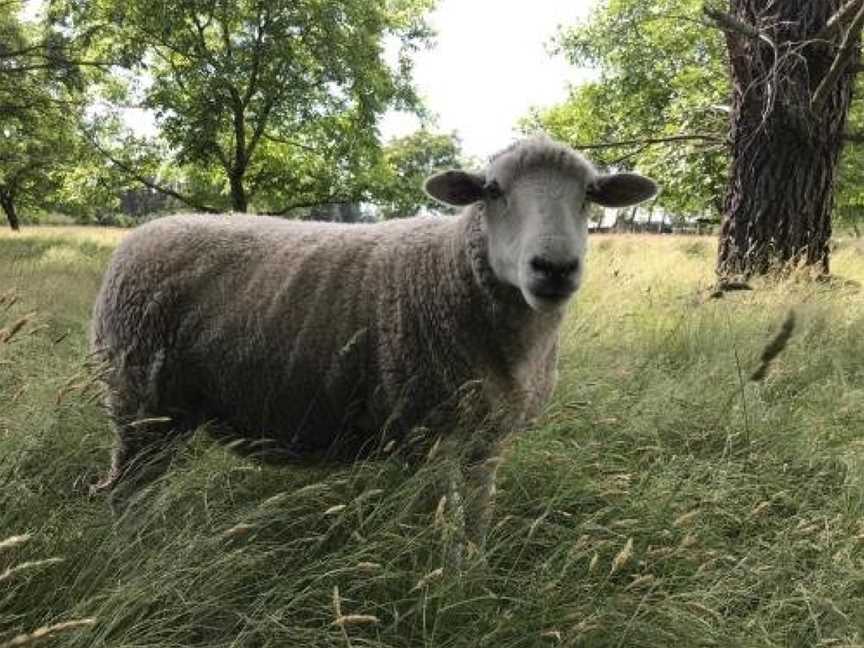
489, 66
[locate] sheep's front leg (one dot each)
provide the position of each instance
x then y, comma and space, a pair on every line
480, 501
469, 505
454, 536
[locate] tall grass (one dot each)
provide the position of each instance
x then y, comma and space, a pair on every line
664, 498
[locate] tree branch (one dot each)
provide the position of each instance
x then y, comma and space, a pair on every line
648, 141
847, 50
730, 23
839, 20
256, 60
258, 131
282, 140
52, 65
329, 200
733, 30
128, 170
854, 138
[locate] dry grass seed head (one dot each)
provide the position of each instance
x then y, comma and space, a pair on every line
14, 541
17, 569
6, 335
44, 632
428, 578
623, 557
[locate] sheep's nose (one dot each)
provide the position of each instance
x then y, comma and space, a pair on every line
554, 270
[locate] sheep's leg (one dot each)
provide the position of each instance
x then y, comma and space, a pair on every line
480, 501
143, 452
145, 440
455, 541
133, 451
470, 495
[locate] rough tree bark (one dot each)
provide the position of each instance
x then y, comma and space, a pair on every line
792, 78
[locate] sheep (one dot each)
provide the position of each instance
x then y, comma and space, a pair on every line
299, 342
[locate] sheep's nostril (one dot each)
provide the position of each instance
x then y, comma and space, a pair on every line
554, 268
570, 268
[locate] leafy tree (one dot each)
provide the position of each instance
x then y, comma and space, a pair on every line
849, 202
276, 100
658, 103
406, 163
38, 81
752, 104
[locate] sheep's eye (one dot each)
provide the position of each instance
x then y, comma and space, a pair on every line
493, 190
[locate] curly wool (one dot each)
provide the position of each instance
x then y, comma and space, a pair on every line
316, 335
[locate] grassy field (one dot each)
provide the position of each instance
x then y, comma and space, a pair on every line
665, 499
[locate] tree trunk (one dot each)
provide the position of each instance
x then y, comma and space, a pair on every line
785, 150
239, 199
8, 204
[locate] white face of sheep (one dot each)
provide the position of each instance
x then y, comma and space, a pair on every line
538, 224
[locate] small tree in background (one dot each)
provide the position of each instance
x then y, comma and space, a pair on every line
276, 100
40, 85
397, 184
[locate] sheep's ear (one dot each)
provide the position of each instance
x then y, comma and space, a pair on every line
455, 188
621, 189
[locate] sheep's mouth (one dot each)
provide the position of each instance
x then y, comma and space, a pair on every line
551, 296
548, 298
555, 292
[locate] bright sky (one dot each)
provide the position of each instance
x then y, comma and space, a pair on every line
490, 66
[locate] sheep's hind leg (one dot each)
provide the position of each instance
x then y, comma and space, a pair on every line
143, 451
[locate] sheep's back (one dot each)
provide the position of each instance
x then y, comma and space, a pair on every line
260, 322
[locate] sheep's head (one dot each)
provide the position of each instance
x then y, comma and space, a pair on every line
535, 197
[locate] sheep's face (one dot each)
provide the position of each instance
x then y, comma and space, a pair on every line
538, 233
537, 222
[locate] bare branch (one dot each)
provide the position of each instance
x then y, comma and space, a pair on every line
258, 131
839, 20
25, 51
736, 31
847, 50
854, 138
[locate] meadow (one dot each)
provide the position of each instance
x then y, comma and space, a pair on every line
664, 499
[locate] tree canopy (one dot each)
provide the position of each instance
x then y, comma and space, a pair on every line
661, 102
406, 163
39, 82
271, 102
658, 102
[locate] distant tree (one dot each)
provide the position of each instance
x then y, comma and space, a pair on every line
34, 130
43, 77
397, 187
275, 100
